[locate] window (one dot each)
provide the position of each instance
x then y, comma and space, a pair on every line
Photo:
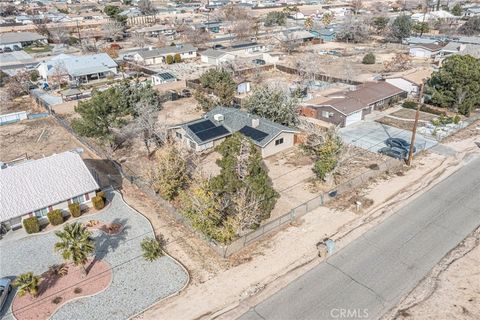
190, 53
79, 199
278, 141
41, 213
325, 114
178, 135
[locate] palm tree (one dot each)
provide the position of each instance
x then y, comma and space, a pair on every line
76, 244
27, 283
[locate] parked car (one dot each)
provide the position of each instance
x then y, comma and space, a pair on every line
5, 288
259, 62
397, 153
16, 48
399, 143
7, 49
1, 50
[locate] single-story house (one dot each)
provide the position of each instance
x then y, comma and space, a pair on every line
216, 57
410, 80
301, 36
246, 47
20, 39
221, 122
427, 50
342, 111
163, 77
212, 26
155, 31
158, 55
346, 108
78, 68
36, 187
325, 34
472, 12
454, 47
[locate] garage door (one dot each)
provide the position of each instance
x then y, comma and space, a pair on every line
354, 117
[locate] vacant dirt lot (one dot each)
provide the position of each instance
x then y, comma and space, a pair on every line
36, 139
179, 111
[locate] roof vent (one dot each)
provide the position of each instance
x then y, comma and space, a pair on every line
218, 117
255, 123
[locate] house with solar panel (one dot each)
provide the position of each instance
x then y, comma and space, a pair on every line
221, 122
163, 77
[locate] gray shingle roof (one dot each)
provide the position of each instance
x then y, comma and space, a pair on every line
82, 65
234, 121
37, 184
14, 37
158, 52
213, 53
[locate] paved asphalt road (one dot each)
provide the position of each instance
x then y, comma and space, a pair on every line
370, 276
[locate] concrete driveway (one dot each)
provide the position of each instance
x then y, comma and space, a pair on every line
371, 135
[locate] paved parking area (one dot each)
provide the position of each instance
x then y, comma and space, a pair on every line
136, 283
371, 135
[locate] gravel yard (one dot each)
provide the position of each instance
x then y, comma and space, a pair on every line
136, 283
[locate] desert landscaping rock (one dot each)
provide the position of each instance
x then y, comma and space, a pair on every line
136, 283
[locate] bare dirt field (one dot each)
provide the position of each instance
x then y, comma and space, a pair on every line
452, 291
24, 103
179, 111
36, 139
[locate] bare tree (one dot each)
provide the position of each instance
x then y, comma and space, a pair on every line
356, 5
41, 26
161, 41
139, 39
309, 65
289, 42
196, 37
112, 30
18, 84
247, 208
146, 7
399, 62
146, 122
59, 34
59, 75
243, 29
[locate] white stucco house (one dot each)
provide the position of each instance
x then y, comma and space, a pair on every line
20, 39
78, 68
427, 50
36, 187
216, 57
158, 55
163, 77
410, 80
221, 122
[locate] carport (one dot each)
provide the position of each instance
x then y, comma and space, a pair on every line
371, 136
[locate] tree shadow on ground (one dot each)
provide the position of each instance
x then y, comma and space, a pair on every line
105, 243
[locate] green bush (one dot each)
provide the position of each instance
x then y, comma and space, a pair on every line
31, 225
369, 58
409, 104
98, 202
169, 59
55, 217
75, 210
177, 58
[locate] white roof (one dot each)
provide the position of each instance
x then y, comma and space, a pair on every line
37, 184
81, 65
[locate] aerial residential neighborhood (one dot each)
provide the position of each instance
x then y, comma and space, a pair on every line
226, 159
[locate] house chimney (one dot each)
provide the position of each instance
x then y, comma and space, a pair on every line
255, 122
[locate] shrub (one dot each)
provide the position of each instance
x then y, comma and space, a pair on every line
369, 58
102, 195
31, 225
98, 202
27, 283
177, 58
169, 59
58, 270
55, 217
151, 248
77, 290
75, 210
57, 300
410, 104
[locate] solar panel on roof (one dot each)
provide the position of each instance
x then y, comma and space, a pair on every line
166, 76
212, 133
253, 133
201, 126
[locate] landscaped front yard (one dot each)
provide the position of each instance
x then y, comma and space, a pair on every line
125, 282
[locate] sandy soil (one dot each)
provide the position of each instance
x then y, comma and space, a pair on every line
179, 111
24, 103
274, 257
35, 139
63, 288
451, 291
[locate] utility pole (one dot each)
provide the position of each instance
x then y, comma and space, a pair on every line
414, 132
